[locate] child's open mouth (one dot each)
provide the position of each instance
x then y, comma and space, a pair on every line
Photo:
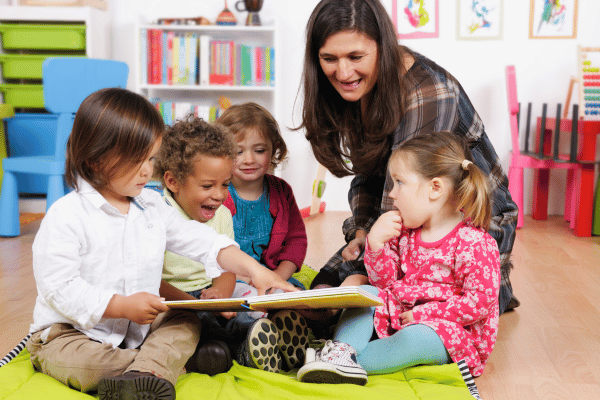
208, 211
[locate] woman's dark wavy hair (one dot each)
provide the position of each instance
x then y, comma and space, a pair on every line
334, 127
113, 131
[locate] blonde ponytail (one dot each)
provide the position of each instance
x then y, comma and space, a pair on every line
473, 196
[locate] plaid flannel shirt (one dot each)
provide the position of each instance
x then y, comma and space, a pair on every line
436, 102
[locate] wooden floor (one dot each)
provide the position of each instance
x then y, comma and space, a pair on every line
548, 348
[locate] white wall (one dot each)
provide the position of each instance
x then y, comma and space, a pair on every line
544, 67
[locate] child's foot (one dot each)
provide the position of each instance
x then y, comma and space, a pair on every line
334, 363
293, 337
210, 358
135, 385
260, 350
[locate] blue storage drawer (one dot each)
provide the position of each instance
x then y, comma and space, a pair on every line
31, 135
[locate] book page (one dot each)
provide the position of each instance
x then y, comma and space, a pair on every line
209, 304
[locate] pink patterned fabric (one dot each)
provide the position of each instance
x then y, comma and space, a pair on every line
450, 285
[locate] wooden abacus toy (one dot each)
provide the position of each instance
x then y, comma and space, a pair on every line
588, 67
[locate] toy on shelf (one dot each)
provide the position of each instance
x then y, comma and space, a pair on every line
226, 17
253, 7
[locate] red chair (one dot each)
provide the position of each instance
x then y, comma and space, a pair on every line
545, 158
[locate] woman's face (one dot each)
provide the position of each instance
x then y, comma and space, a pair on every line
349, 60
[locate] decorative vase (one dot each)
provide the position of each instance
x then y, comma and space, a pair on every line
253, 7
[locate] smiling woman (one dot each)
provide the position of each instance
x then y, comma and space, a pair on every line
349, 60
364, 94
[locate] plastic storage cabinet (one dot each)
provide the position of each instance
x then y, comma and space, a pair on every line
29, 35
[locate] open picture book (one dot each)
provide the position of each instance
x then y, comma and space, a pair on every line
338, 297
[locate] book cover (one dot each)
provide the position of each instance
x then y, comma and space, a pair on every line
339, 297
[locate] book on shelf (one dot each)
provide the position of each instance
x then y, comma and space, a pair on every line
338, 297
191, 58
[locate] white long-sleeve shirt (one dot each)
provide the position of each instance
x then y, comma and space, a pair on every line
86, 251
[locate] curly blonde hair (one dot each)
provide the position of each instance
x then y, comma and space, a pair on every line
185, 141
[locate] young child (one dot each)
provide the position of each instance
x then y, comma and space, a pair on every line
266, 219
98, 322
195, 165
434, 266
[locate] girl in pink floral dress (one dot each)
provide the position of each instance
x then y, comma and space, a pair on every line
433, 265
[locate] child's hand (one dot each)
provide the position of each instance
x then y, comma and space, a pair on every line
264, 279
407, 317
385, 228
212, 293
141, 308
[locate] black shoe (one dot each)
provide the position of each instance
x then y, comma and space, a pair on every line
211, 358
293, 337
260, 349
135, 385
513, 303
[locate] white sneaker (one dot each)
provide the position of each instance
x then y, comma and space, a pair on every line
334, 363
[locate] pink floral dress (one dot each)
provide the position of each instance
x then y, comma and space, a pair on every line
450, 285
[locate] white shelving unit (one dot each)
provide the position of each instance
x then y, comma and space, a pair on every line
266, 96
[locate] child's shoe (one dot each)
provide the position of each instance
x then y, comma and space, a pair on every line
210, 358
135, 385
293, 337
260, 349
334, 363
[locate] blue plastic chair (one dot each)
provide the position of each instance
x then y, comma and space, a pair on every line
67, 82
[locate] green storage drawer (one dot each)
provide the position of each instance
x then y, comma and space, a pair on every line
42, 36
23, 95
24, 66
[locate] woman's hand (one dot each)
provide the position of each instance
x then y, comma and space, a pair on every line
355, 246
387, 227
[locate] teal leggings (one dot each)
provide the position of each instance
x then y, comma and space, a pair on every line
413, 345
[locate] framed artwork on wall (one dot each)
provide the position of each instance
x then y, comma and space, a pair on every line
416, 19
479, 19
553, 19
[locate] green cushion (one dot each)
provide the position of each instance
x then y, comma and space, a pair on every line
18, 380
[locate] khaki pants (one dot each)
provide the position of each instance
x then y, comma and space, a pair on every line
80, 362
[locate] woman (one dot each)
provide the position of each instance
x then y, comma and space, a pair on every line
364, 95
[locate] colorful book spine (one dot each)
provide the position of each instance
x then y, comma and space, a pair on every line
259, 57
204, 59
272, 67
245, 65
169, 57
144, 56
164, 46
175, 59
181, 61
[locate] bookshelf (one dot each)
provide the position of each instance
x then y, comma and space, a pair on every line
196, 91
